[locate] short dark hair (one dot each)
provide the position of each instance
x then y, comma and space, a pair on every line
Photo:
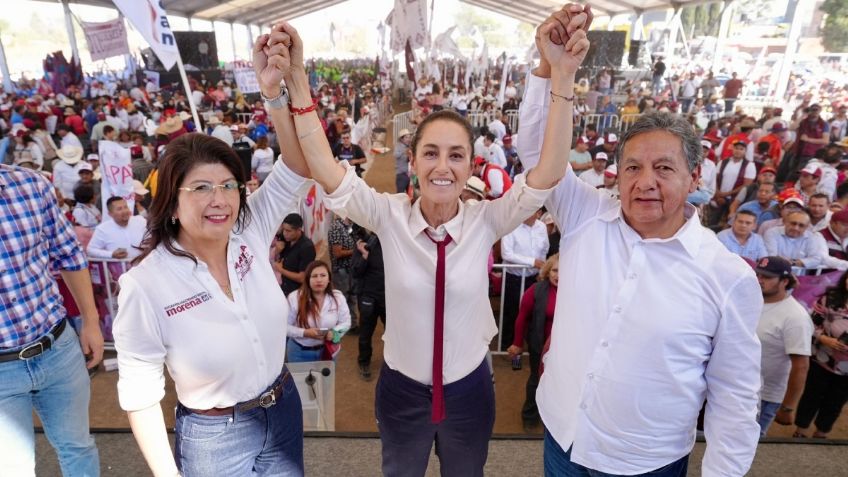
111, 200
107, 129
294, 220
84, 193
63, 127
490, 136
820, 195
746, 212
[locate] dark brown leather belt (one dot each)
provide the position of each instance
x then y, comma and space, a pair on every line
266, 400
34, 349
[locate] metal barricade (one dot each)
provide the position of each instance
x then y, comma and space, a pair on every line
478, 119
512, 118
244, 118
503, 267
402, 121
627, 120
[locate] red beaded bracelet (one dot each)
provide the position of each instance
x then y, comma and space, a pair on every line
300, 111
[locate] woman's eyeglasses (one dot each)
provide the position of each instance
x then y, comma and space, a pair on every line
206, 189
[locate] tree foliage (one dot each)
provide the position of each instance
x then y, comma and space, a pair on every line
835, 30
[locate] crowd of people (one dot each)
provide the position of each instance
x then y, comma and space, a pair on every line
212, 218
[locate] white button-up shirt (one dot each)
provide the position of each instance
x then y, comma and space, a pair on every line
410, 262
632, 359
172, 311
109, 236
525, 245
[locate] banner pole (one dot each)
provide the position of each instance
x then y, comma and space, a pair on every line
184, 78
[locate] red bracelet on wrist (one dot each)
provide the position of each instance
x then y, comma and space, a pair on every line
300, 111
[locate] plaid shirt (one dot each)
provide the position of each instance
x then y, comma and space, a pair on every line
35, 237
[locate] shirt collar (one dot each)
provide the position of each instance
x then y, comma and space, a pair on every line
4, 173
689, 236
418, 224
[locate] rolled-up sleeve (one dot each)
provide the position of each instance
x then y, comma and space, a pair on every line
733, 383
141, 348
64, 248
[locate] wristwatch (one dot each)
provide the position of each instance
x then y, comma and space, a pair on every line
278, 102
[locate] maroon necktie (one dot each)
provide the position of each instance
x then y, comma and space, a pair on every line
439, 413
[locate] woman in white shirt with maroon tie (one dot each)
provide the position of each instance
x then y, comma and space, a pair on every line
435, 384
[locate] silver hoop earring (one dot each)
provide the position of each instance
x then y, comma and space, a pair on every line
173, 220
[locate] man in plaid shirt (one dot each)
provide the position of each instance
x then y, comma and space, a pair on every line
41, 360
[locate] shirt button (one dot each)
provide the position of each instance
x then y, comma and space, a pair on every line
255, 340
591, 376
617, 308
14, 300
604, 344
631, 276
583, 406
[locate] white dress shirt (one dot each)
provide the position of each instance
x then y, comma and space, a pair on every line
525, 245
593, 178
410, 263
495, 155
171, 311
645, 330
263, 160
810, 248
498, 128
109, 236
335, 314
65, 177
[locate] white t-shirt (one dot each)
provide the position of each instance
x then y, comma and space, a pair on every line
594, 179
495, 155
731, 170
263, 160
708, 176
785, 328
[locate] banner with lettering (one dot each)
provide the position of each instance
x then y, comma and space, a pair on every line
116, 170
106, 39
244, 75
149, 18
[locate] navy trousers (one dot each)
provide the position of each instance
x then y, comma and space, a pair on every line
403, 408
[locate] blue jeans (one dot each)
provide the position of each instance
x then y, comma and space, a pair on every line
258, 442
558, 464
295, 353
56, 384
767, 412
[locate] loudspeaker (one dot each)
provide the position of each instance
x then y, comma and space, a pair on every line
635, 52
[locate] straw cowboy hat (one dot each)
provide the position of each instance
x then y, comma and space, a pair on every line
213, 121
170, 126
70, 154
184, 116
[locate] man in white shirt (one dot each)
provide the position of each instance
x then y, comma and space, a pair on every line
527, 245
734, 174
494, 152
220, 130
67, 136
785, 331
595, 176
497, 127
119, 237
629, 369
795, 242
479, 145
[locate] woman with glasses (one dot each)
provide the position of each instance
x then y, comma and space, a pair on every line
318, 316
202, 300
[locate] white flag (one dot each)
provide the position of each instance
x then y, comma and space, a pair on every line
149, 18
408, 20
116, 169
106, 39
445, 44
502, 91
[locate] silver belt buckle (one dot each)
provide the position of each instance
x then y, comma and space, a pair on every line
24, 354
267, 399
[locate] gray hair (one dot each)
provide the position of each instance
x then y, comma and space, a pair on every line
670, 123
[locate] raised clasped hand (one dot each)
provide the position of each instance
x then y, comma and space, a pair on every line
276, 56
561, 39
